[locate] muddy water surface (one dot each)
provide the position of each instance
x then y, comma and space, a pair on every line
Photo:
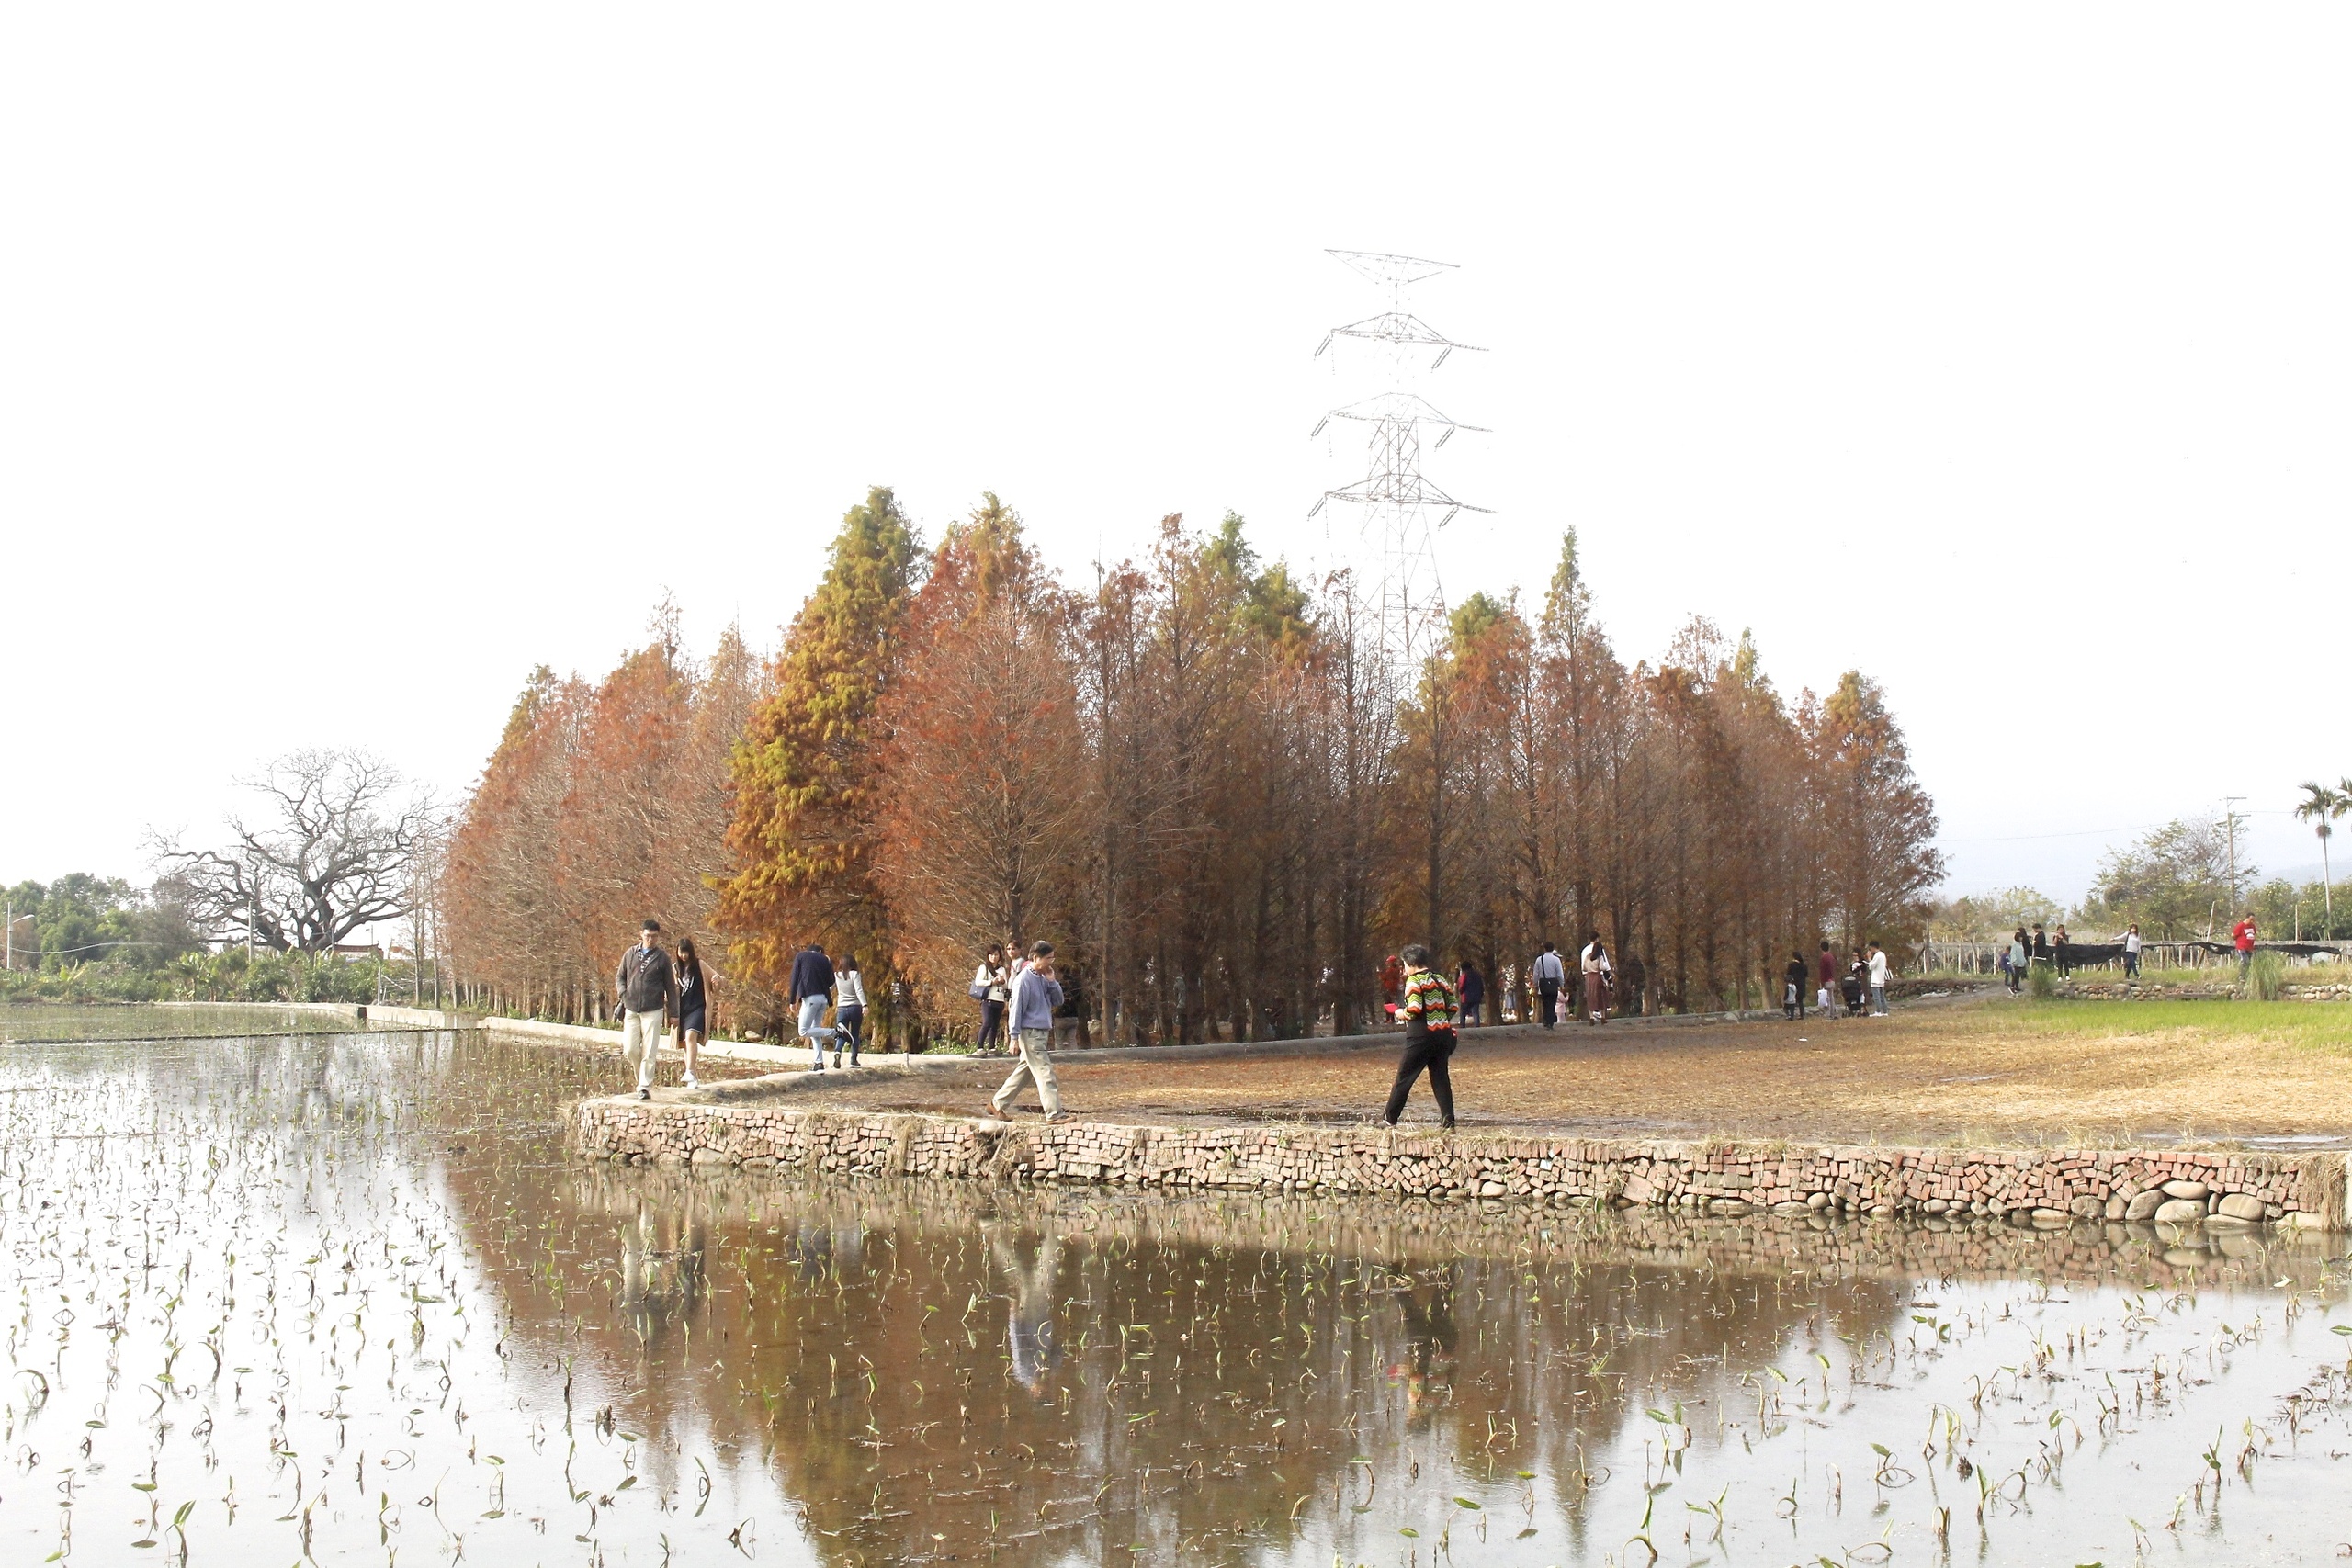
344, 1297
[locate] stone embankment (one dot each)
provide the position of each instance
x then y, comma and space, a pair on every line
2219, 991
2046, 1187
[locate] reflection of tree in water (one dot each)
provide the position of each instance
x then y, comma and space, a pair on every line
1071, 1376
1097, 1377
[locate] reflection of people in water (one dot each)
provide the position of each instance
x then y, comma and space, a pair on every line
1427, 1372
660, 1282
1036, 1349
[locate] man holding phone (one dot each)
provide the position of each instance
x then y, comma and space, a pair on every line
1035, 994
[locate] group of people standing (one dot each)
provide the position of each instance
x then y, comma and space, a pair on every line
1596, 972
655, 988
2058, 951
1861, 988
992, 985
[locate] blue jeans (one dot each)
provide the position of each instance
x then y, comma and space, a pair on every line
812, 1024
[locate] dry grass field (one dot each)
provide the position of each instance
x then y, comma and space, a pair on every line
1992, 1071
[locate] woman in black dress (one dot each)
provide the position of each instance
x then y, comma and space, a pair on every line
694, 1005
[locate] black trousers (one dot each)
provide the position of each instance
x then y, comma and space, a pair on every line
1549, 991
1430, 1050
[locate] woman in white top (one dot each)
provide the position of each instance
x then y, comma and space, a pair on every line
991, 984
1598, 976
849, 1006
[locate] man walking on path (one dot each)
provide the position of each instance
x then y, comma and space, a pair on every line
812, 990
2242, 935
1878, 981
1427, 1011
1549, 972
1035, 994
1792, 1000
648, 986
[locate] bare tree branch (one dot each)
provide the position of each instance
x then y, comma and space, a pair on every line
333, 849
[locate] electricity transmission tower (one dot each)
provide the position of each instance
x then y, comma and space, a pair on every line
1398, 499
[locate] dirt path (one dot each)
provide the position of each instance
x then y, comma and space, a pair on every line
1991, 1072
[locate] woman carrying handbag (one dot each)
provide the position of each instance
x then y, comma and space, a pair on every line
990, 985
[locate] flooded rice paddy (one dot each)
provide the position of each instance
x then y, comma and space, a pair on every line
41, 1024
345, 1299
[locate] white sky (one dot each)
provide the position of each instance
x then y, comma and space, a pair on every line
353, 362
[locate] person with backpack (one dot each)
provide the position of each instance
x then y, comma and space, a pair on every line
1550, 973
648, 988
1425, 1008
812, 992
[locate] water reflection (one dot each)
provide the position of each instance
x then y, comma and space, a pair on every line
401, 1267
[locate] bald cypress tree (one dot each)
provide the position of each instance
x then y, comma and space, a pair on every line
803, 774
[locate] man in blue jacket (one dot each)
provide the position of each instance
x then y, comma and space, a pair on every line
1035, 994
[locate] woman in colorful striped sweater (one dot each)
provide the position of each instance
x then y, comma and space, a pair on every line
1427, 1011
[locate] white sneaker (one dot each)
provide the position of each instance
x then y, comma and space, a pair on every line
690, 1081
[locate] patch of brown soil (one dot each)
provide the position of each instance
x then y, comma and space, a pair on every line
1970, 1074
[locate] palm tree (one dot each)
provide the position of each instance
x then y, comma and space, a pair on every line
2321, 806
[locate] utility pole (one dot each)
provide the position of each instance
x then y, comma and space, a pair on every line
2230, 814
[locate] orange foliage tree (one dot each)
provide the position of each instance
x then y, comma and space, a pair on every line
804, 773
976, 837
1199, 778
600, 805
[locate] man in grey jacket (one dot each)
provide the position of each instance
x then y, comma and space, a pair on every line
1035, 994
648, 986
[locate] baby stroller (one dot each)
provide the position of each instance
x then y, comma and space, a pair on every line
1857, 993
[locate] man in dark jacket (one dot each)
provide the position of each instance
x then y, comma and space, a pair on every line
813, 991
1793, 999
648, 986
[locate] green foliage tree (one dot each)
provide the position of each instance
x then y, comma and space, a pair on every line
81, 919
2321, 807
1991, 916
803, 771
2174, 881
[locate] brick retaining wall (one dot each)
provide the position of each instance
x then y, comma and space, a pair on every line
2047, 1186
